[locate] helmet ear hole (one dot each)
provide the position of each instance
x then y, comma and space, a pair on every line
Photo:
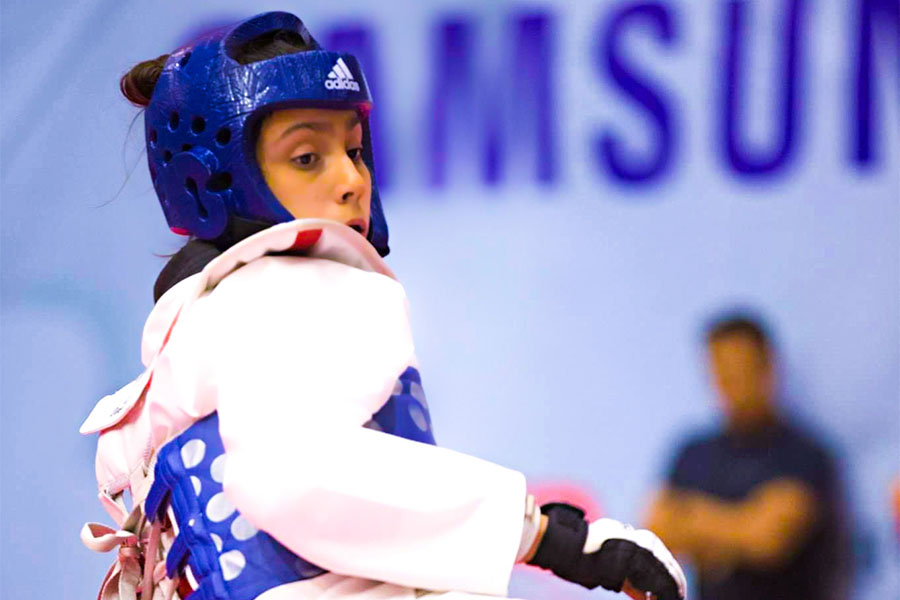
219, 182
173, 120
190, 184
223, 136
182, 185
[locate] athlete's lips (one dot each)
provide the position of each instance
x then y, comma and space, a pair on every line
358, 225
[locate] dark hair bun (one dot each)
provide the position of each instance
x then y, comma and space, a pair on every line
138, 83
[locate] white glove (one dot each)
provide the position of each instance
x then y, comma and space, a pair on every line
602, 530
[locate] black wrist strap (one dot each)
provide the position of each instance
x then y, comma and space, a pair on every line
563, 539
562, 549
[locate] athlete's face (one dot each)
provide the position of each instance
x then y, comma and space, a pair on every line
312, 160
742, 372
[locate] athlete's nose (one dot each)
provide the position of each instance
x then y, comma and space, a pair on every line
351, 185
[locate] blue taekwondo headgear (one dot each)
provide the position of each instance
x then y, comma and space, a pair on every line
204, 117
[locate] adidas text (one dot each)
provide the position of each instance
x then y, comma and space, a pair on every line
341, 84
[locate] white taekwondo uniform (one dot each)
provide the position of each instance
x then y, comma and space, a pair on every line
296, 353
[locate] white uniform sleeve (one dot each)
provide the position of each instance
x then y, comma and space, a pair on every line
303, 352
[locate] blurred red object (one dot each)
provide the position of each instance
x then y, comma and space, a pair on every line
570, 492
897, 507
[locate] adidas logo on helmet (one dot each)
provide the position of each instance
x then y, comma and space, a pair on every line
340, 78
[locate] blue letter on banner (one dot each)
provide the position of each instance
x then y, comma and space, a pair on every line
742, 160
872, 13
611, 58
494, 114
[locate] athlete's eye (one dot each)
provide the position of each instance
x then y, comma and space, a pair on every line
305, 161
355, 154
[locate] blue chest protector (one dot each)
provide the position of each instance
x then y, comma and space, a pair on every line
228, 556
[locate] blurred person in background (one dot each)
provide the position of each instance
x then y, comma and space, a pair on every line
756, 505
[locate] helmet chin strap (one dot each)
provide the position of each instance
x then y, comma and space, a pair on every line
197, 253
238, 228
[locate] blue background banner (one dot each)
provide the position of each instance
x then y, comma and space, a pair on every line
573, 189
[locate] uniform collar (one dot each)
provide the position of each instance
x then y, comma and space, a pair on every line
203, 266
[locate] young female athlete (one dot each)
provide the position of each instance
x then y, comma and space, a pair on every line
278, 444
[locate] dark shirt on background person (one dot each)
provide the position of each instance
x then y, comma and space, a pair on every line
756, 506
730, 467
